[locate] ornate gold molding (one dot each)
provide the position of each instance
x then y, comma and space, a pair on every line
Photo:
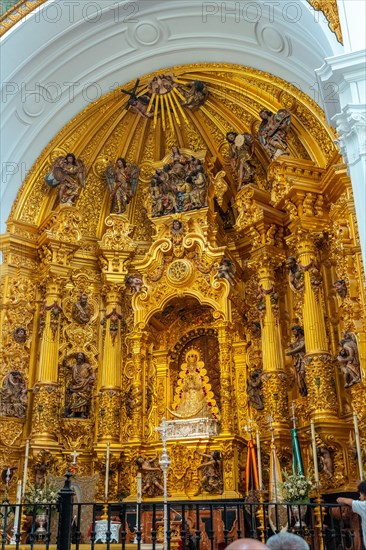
330, 10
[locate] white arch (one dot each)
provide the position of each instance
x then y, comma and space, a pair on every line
66, 53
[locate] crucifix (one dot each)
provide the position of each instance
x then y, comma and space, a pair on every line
74, 455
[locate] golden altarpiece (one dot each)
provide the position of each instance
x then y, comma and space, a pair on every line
102, 306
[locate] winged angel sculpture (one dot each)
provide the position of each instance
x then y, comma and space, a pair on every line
122, 182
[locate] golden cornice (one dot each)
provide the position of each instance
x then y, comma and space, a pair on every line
16, 13
330, 11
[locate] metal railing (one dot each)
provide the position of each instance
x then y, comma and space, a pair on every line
198, 525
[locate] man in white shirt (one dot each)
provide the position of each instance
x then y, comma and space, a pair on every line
358, 506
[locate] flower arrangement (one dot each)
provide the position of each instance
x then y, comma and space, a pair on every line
296, 487
39, 498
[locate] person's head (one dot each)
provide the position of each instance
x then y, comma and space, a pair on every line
121, 163
83, 299
246, 544
80, 357
216, 455
297, 330
230, 136
265, 114
362, 490
291, 261
70, 158
287, 541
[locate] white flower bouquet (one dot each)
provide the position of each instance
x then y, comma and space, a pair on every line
296, 488
39, 498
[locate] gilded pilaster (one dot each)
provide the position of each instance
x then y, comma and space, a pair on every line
109, 425
224, 337
138, 343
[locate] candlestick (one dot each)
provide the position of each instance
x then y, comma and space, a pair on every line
293, 418
315, 456
259, 460
25, 470
106, 484
358, 446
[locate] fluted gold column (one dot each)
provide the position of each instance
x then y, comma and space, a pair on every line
320, 376
274, 387
109, 425
46, 389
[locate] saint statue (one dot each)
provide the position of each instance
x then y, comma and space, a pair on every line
80, 389
81, 312
297, 351
193, 396
68, 173
13, 395
349, 360
211, 481
241, 151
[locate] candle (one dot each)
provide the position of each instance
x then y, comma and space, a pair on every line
358, 446
17, 509
315, 456
25, 471
108, 450
259, 460
139, 487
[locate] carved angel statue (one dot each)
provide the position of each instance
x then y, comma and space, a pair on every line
297, 352
195, 94
349, 359
241, 151
68, 173
122, 181
226, 271
273, 130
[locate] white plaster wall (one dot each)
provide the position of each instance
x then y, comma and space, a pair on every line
67, 53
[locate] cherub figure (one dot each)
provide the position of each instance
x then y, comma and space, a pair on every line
226, 271
340, 287
134, 282
211, 481
273, 130
20, 335
69, 174
349, 360
151, 476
